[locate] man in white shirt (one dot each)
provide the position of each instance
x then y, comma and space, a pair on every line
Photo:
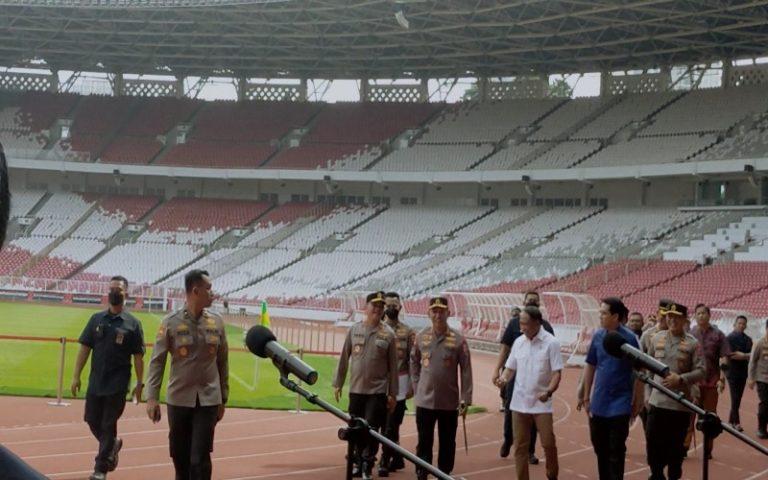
535, 363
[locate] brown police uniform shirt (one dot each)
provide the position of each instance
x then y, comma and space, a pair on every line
370, 354
683, 356
758, 361
645, 338
199, 360
404, 336
435, 364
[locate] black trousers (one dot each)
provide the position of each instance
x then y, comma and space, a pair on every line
373, 408
447, 423
101, 414
392, 432
509, 434
736, 384
665, 442
762, 407
191, 440
609, 439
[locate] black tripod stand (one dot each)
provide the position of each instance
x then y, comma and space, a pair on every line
708, 423
357, 429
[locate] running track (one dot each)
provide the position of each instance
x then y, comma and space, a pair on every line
253, 444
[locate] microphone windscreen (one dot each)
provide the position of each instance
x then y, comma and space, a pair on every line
257, 339
612, 343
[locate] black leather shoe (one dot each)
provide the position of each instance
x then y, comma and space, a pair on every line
396, 464
504, 450
356, 471
533, 460
762, 434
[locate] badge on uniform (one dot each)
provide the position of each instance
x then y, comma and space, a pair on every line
119, 338
358, 348
211, 349
425, 359
183, 351
160, 332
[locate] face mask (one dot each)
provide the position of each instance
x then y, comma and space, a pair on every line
116, 298
391, 313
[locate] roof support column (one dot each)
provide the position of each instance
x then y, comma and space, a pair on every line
118, 85
605, 81
424, 90
242, 83
364, 90
482, 88
54, 81
179, 87
725, 81
303, 90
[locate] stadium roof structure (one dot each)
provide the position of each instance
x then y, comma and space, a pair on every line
362, 38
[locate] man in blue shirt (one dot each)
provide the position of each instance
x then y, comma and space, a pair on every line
616, 398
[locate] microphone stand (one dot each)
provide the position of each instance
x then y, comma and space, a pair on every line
708, 423
357, 429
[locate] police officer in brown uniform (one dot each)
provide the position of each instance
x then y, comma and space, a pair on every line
758, 375
198, 385
668, 421
438, 354
370, 354
645, 345
392, 461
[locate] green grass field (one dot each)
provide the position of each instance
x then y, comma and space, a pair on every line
31, 367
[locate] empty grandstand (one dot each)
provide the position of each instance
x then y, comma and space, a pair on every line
436, 170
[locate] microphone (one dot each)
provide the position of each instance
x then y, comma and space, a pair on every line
617, 346
262, 342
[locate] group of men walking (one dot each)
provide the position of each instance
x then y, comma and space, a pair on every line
198, 387
389, 363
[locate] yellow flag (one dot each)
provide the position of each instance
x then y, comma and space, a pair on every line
264, 315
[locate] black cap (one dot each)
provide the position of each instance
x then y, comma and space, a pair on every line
375, 297
675, 308
438, 302
664, 304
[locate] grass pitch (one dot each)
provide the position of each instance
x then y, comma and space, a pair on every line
31, 368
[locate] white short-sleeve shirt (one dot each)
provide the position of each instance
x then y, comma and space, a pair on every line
534, 361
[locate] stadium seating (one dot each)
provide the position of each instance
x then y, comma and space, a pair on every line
65, 259
631, 108
22, 201
510, 157
143, 262
310, 156
565, 117
254, 269
217, 154
112, 214
367, 122
485, 226
713, 285
535, 229
250, 121
651, 150
198, 221
743, 142
203, 263
157, 116
506, 275
564, 154
60, 213
398, 229
611, 230
709, 110
131, 150
485, 122
340, 220
316, 275
433, 158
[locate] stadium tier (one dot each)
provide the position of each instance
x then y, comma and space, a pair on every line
622, 130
